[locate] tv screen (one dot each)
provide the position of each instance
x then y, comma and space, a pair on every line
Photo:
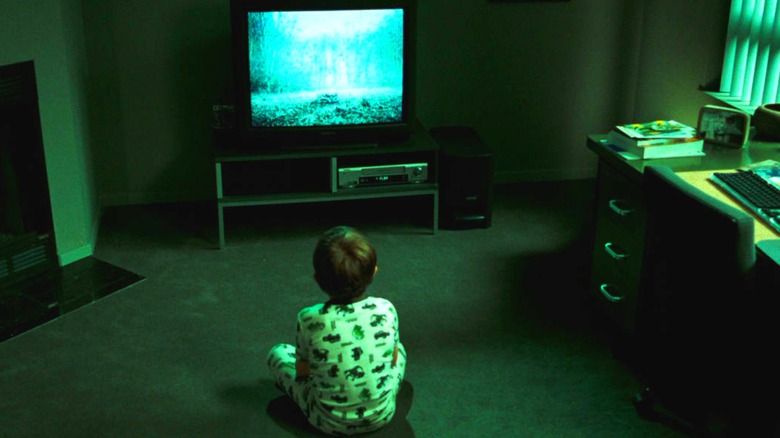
323, 70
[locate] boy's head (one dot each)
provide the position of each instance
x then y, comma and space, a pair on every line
344, 263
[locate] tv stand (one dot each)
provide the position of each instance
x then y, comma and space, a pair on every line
335, 147
252, 176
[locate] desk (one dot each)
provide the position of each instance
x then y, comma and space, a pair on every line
700, 180
620, 216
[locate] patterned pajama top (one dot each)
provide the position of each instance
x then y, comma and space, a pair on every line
349, 348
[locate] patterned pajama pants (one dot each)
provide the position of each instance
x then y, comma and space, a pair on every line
281, 362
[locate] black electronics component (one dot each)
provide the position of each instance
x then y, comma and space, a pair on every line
466, 178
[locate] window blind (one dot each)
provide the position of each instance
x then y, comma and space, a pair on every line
751, 60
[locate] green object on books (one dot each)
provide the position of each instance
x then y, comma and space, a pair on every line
658, 139
658, 129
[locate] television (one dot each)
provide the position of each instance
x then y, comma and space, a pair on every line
323, 73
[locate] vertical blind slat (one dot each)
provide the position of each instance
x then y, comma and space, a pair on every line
731, 46
760, 92
743, 47
751, 62
759, 42
772, 88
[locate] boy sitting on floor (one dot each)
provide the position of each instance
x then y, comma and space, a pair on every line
348, 363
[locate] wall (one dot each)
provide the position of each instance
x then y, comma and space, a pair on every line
682, 49
50, 32
158, 68
535, 78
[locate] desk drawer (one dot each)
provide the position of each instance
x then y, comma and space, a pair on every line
618, 247
617, 300
615, 279
620, 202
613, 254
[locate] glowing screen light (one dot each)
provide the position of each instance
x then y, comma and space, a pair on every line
326, 68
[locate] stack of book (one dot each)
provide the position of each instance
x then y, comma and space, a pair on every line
657, 139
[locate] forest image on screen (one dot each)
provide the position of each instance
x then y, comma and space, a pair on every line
325, 68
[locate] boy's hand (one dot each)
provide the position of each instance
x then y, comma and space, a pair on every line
302, 369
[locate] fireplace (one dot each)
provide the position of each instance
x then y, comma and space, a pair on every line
27, 245
34, 289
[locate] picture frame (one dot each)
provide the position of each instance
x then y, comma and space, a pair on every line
723, 126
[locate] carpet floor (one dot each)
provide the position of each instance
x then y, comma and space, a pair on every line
498, 323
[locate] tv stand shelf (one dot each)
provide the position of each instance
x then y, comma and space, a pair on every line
252, 176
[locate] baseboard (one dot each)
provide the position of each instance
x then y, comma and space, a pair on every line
514, 176
76, 255
85, 250
118, 199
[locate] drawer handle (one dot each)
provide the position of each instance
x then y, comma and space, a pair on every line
613, 205
615, 251
612, 297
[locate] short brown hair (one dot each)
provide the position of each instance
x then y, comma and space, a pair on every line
344, 262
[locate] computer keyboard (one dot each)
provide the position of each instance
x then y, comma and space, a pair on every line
755, 193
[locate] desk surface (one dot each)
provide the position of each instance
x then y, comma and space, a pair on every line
700, 179
715, 158
696, 170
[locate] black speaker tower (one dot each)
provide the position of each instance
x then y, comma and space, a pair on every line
465, 178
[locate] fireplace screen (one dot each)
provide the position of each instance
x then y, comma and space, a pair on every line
26, 226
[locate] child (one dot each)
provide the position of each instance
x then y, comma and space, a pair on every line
347, 366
